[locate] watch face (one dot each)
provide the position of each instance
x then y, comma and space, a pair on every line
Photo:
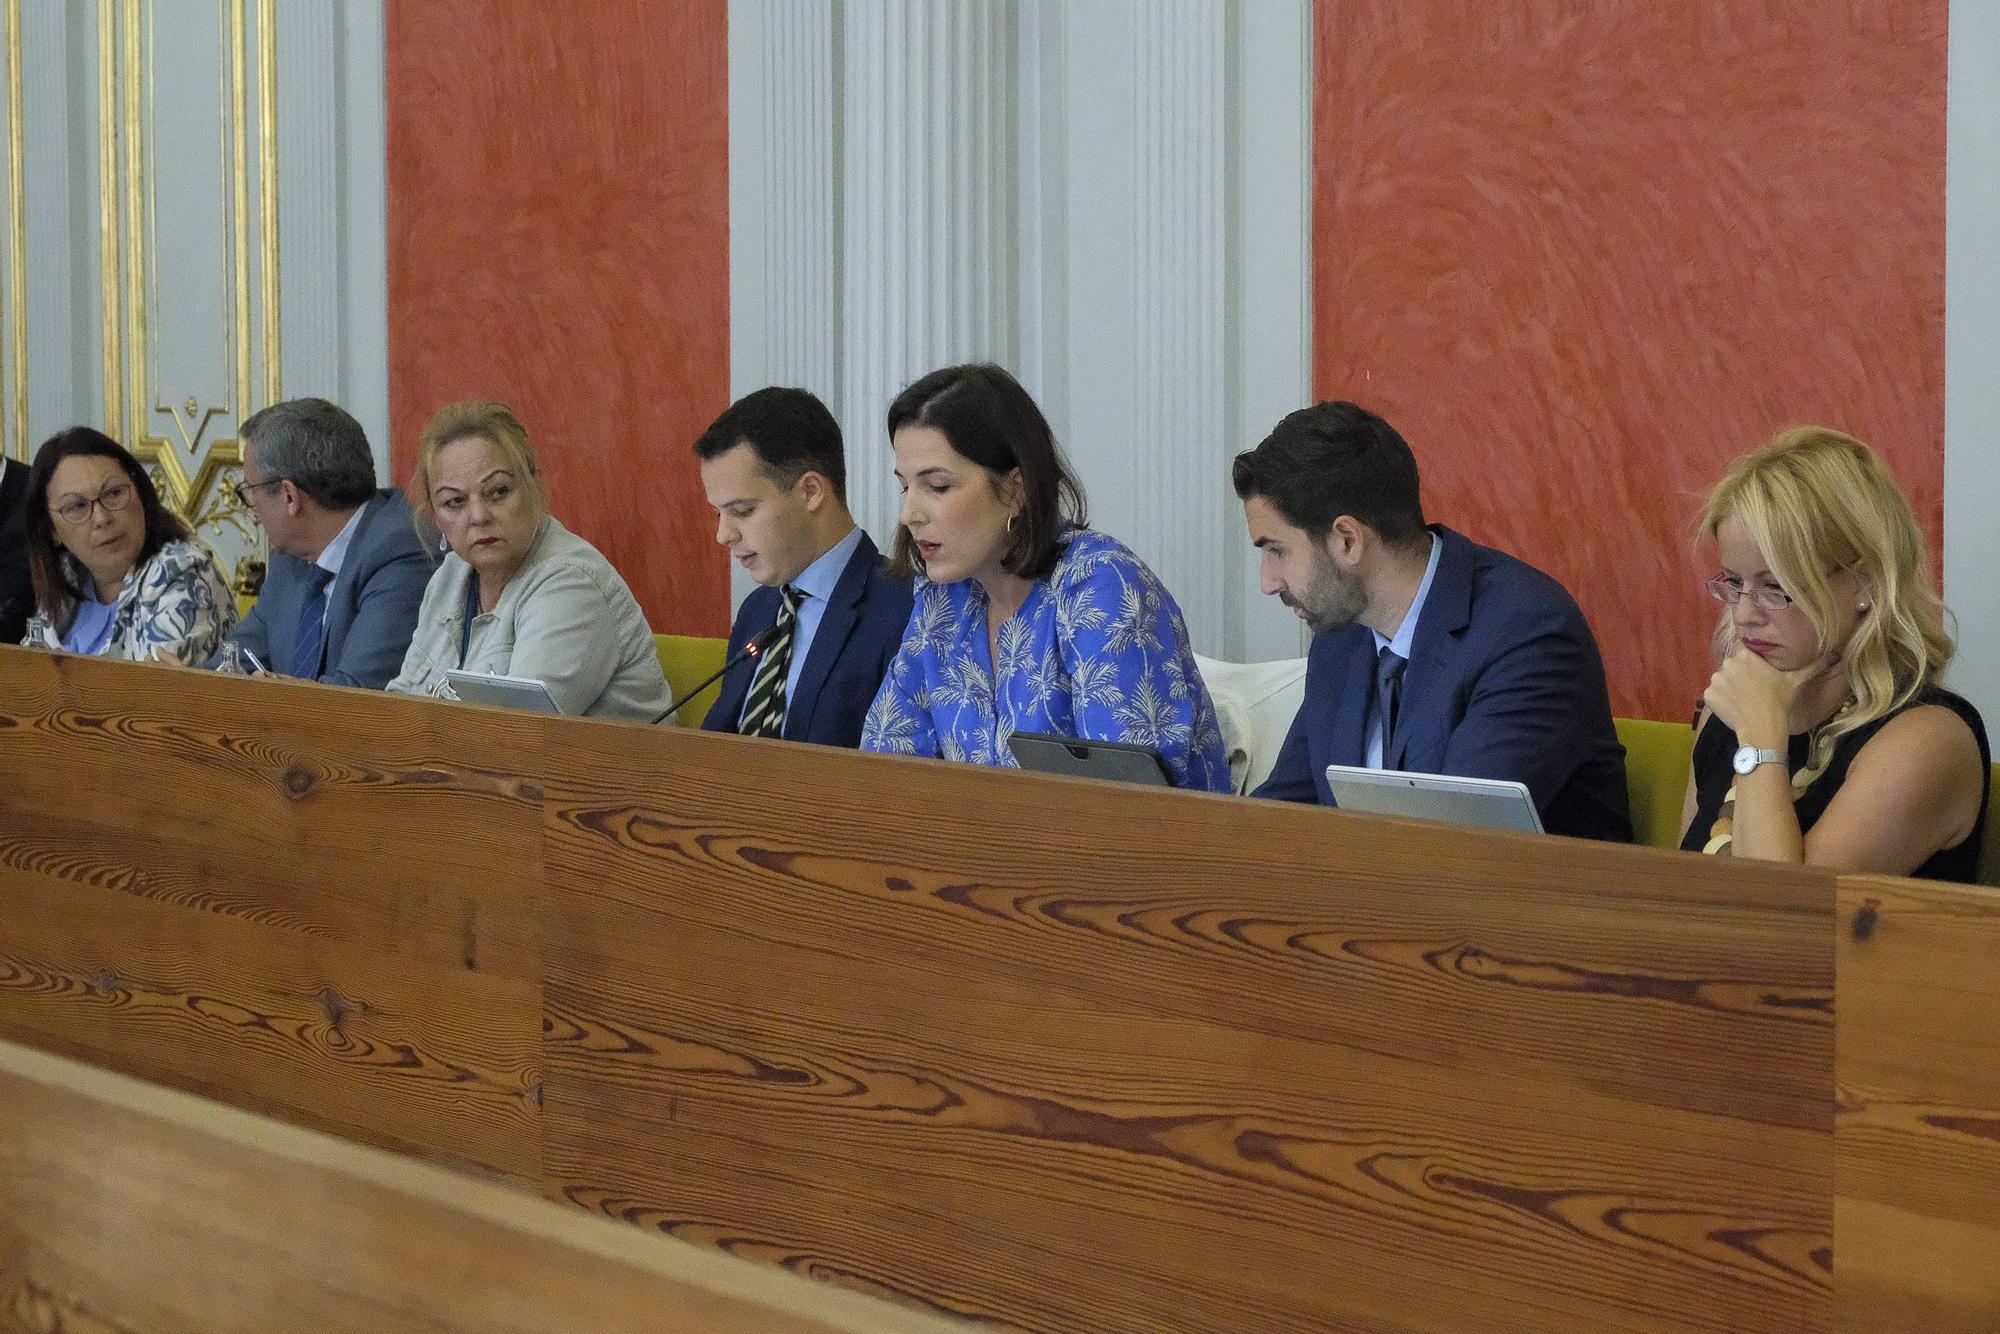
1746, 759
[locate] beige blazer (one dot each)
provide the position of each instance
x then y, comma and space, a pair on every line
566, 619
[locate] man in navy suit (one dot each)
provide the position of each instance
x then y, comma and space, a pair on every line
347, 567
1431, 654
831, 618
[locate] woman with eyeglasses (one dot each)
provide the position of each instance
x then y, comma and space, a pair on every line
519, 594
116, 573
1825, 736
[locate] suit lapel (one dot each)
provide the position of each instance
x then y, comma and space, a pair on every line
279, 606
1425, 715
1355, 678
836, 623
340, 597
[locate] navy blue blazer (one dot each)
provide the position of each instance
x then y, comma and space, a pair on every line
371, 609
851, 651
1504, 681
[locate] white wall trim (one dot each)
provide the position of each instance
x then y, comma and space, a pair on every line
1971, 335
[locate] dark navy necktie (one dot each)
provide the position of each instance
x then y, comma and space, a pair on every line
309, 646
1388, 697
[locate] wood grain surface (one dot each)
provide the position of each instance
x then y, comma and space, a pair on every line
1045, 1054
1071, 1056
252, 889
1917, 1217
127, 1208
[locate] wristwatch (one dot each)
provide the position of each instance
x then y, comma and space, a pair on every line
1749, 757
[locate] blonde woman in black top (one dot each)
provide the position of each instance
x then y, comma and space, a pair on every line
1825, 737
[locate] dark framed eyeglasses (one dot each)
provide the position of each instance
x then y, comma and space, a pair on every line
76, 509
244, 490
1729, 592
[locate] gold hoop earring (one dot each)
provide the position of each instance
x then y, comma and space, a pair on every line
1010, 524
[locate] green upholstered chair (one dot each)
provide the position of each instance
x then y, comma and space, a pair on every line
1657, 759
687, 659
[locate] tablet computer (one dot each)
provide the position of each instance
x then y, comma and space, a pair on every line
1482, 803
1120, 761
505, 692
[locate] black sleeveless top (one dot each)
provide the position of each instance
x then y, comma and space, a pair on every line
1714, 771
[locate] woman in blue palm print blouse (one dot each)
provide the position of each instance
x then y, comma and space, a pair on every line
1025, 620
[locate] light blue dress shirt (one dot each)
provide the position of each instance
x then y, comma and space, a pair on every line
1406, 635
335, 554
91, 630
816, 582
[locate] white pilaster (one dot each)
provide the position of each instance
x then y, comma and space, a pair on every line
931, 267
1971, 332
1169, 509
784, 203
1107, 196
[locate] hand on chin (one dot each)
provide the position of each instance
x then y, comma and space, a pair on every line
1753, 695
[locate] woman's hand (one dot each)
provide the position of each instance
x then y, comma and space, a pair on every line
1754, 699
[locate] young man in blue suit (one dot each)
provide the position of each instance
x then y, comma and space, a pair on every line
347, 573
829, 617
1431, 654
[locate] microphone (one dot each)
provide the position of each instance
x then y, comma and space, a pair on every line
755, 648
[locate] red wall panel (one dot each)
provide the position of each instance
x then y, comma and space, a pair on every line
559, 239
1581, 256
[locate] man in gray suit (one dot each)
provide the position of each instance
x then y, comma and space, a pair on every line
347, 569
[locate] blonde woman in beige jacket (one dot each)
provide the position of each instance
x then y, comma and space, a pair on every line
519, 594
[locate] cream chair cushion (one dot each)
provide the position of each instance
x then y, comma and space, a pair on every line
1255, 702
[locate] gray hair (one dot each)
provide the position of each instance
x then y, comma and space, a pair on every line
317, 447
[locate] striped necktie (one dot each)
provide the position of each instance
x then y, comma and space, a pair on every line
309, 644
764, 710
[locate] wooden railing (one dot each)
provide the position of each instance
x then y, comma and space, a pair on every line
1051, 1054
128, 1207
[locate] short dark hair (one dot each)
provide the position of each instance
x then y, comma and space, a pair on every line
54, 594
985, 415
789, 430
318, 447
1332, 459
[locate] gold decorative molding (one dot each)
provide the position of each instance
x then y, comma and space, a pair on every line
192, 468
17, 229
112, 280
267, 189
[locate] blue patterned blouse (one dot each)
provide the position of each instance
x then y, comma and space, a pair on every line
1098, 651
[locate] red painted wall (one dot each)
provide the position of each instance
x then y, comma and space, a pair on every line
1583, 255
559, 239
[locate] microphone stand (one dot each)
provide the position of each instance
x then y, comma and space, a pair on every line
755, 648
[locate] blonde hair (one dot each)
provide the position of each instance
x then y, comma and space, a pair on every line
483, 419
1819, 503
